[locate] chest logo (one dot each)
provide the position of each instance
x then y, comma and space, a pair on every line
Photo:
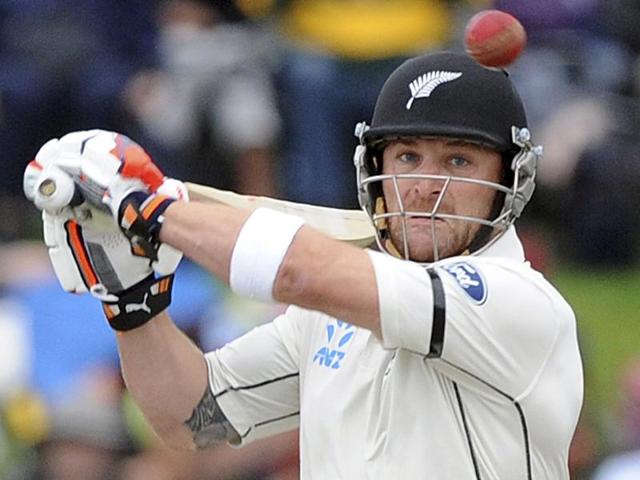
470, 280
339, 336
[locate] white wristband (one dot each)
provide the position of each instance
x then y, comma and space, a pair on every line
259, 250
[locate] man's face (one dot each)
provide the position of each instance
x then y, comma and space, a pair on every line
446, 157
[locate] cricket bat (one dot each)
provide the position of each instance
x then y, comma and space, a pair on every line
58, 189
351, 226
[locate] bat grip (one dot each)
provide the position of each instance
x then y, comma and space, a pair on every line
57, 189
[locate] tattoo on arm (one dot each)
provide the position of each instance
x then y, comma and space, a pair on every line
209, 424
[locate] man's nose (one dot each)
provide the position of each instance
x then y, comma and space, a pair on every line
430, 182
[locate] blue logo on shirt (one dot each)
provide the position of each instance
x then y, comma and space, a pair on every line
470, 280
339, 334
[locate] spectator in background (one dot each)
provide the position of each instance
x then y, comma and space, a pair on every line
83, 437
604, 222
337, 56
571, 40
88, 436
271, 459
576, 74
63, 66
69, 62
210, 109
60, 387
591, 174
621, 16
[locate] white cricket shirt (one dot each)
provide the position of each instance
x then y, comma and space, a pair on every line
478, 376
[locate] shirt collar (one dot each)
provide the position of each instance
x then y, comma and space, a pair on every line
508, 245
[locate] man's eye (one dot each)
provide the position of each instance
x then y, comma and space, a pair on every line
409, 157
458, 161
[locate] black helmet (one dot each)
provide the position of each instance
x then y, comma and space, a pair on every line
451, 95
448, 95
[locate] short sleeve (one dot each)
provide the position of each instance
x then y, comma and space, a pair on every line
491, 320
255, 379
503, 321
405, 299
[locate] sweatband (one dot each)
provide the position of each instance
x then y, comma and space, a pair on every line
259, 250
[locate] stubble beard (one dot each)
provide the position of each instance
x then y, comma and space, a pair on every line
453, 238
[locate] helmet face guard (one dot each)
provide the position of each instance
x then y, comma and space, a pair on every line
419, 101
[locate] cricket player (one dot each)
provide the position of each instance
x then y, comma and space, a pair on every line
440, 354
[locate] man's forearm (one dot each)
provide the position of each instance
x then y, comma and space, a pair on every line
166, 375
205, 233
317, 272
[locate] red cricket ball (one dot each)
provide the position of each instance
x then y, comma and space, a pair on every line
494, 38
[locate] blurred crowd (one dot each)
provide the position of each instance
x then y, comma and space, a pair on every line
261, 97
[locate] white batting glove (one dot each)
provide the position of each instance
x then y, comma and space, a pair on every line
112, 173
90, 253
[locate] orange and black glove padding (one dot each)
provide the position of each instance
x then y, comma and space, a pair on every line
88, 249
89, 253
107, 169
139, 303
140, 217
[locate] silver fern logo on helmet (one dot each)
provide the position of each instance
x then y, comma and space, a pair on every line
425, 84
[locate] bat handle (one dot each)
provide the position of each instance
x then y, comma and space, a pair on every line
56, 190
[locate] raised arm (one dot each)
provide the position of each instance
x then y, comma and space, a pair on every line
317, 272
166, 373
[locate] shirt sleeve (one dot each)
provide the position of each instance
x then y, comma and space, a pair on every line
488, 322
397, 305
255, 379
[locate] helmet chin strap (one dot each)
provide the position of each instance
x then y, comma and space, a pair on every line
381, 208
485, 232
391, 248
382, 225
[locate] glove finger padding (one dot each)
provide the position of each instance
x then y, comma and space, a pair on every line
95, 159
88, 252
107, 167
113, 168
65, 264
102, 157
31, 175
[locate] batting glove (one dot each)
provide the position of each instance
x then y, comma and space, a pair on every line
88, 250
90, 253
112, 173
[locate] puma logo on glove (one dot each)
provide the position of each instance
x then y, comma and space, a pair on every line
134, 307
